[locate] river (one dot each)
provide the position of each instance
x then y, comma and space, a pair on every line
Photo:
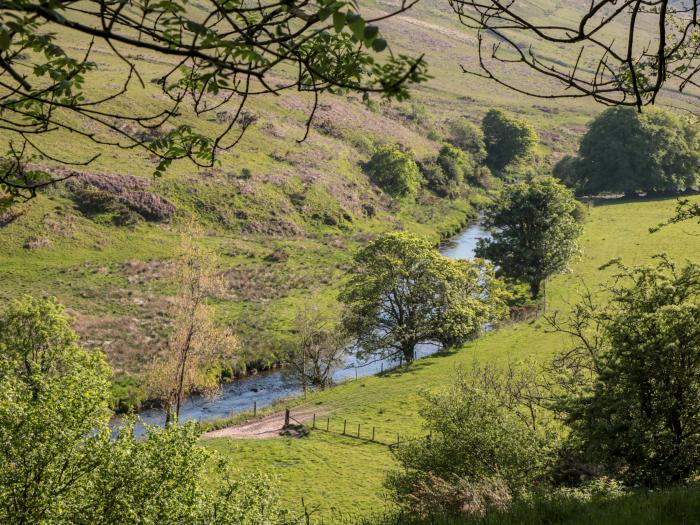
266, 388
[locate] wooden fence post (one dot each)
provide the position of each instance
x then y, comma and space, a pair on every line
345, 424
286, 417
314, 419
382, 371
398, 439
328, 424
358, 430
355, 372
255, 408
372, 433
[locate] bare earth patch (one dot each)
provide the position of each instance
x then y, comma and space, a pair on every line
267, 427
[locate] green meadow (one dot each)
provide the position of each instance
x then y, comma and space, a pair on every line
343, 475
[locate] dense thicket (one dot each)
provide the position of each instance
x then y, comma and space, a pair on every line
58, 463
625, 151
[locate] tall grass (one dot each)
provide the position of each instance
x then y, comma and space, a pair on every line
677, 506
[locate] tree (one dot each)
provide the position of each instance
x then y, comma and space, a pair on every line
394, 171
618, 53
197, 345
628, 152
402, 292
633, 378
534, 231
507, 139
216, 56
318, 351
468, 137
58, 464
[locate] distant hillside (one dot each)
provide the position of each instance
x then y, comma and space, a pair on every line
284, 216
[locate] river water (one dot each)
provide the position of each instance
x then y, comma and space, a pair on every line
266, 388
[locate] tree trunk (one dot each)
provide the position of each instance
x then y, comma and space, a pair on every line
408, 351
535, 288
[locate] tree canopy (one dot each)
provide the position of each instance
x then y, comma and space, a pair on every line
625, 151
402, 292
507, 139
394, 171
58, 463
632, 382
534, 231
217, 55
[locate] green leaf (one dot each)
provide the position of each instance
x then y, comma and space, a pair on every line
4, 40
379, 45
370, 34
338, 21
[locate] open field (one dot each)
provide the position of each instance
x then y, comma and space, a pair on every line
344, 475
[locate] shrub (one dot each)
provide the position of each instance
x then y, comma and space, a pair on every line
394, 171
468, 137
473, 438
507, 139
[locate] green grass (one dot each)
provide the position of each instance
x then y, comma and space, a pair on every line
677, 506
390, 402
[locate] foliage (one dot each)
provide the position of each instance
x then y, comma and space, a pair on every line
394, 171
402, 292
457, 165
58, 464
534, 231
507, 139
197, 345
473, 437
215, 56
627, 152
633, 380
468, 137
317, 351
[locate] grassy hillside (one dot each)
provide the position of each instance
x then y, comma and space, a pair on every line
344, 475
283, 216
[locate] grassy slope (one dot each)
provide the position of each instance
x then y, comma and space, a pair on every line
116, 280
345, 474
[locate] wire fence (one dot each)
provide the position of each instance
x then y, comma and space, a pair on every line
356, 430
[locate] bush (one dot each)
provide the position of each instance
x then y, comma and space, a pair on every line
437, 181
507, 139
468, 137
394, 171
473, 438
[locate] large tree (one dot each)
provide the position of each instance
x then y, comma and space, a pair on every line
58, 462
216, 57
534, 231
627, 152
630, 387
402, 292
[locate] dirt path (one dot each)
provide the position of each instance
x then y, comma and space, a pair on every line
267, 427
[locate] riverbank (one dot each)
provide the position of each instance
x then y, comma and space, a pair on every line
344, 475
250, 394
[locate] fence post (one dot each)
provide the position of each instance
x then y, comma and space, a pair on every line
372, 433
255, 408
345, 425
355, 372
286, 417
398, 439
382, 371
328, 424
358, 430
314, 419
